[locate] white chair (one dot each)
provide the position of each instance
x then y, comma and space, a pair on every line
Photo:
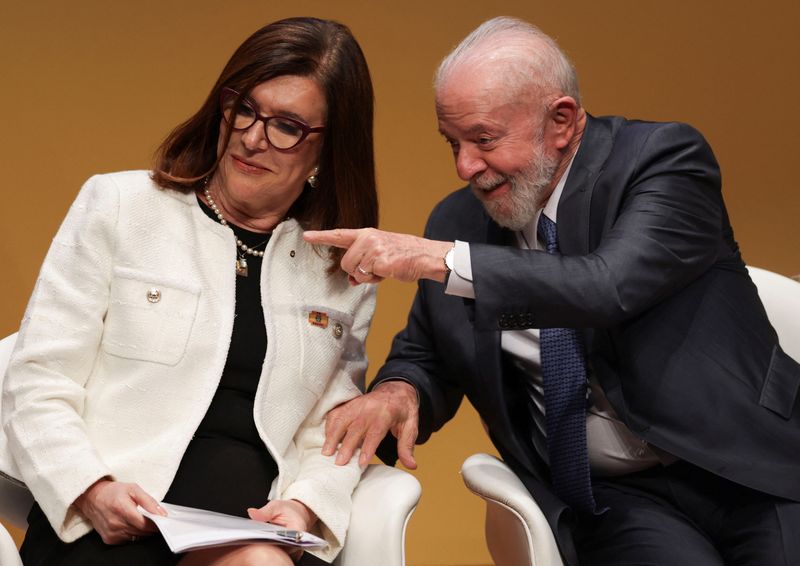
383, 503
781, 298
8, 550
516, 531
15, 500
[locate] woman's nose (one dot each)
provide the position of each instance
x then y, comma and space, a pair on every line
255, 137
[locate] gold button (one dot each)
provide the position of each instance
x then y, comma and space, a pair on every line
153, 295
337, 330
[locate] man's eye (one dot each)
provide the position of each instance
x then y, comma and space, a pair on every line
485, 140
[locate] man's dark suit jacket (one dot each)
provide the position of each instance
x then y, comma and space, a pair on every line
674, 328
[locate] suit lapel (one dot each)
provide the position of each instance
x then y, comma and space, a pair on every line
487, 342
574, 206
574, 209
490, 371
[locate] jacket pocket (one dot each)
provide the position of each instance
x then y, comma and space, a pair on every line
779, 392
149, 317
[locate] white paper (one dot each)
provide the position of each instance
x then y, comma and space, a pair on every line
186, 528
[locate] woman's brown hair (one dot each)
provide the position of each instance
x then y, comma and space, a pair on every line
325, 51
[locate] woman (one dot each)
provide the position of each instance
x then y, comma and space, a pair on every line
183, 343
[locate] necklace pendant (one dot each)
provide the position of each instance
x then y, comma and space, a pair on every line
241, 267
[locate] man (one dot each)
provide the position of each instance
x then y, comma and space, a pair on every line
591, 249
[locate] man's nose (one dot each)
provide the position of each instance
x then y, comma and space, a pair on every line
469, 163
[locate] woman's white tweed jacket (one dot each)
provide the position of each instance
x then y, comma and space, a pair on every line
104, 382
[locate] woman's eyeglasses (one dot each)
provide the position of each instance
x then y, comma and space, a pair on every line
282, 133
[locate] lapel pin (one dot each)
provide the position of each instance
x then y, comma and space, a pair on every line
318, 318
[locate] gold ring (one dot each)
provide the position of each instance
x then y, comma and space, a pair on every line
363, 271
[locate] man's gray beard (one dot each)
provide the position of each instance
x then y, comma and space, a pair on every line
529, 191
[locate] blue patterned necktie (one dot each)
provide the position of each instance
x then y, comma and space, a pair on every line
564, 377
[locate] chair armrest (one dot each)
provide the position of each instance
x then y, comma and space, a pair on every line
383, 502
516, 529
15, 499
8, 550
781, 298
15, 503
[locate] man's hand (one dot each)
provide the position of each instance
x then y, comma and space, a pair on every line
373, 255
111, 508
365, 420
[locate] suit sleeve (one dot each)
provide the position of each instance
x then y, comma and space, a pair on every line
664, 231
414, 357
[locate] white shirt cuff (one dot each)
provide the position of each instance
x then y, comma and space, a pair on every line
459, 282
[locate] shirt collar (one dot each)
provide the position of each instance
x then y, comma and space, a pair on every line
528, 234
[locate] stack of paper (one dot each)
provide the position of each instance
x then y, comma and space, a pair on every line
185, 528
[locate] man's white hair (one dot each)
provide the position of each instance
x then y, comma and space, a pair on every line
526, 55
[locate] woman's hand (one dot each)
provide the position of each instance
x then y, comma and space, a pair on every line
111, 508
288, 513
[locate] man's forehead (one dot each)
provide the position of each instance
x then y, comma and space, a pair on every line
475, 74
481, 82
468, 91
470, 106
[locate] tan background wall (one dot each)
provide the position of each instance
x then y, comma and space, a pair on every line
94, 86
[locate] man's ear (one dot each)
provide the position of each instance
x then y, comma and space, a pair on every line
563, 115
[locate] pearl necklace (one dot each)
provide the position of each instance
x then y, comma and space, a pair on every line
241, 262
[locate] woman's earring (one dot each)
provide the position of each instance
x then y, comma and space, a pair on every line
312, 180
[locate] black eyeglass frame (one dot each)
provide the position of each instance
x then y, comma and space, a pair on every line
227, 93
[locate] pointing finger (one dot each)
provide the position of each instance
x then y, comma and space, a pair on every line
340, 237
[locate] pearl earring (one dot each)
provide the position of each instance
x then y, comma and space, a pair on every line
312, 180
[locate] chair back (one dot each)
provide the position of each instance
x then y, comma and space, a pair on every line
781, 298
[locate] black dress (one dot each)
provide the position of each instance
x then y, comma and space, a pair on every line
226, 467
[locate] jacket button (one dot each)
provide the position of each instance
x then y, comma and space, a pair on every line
153, 295
337, 330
